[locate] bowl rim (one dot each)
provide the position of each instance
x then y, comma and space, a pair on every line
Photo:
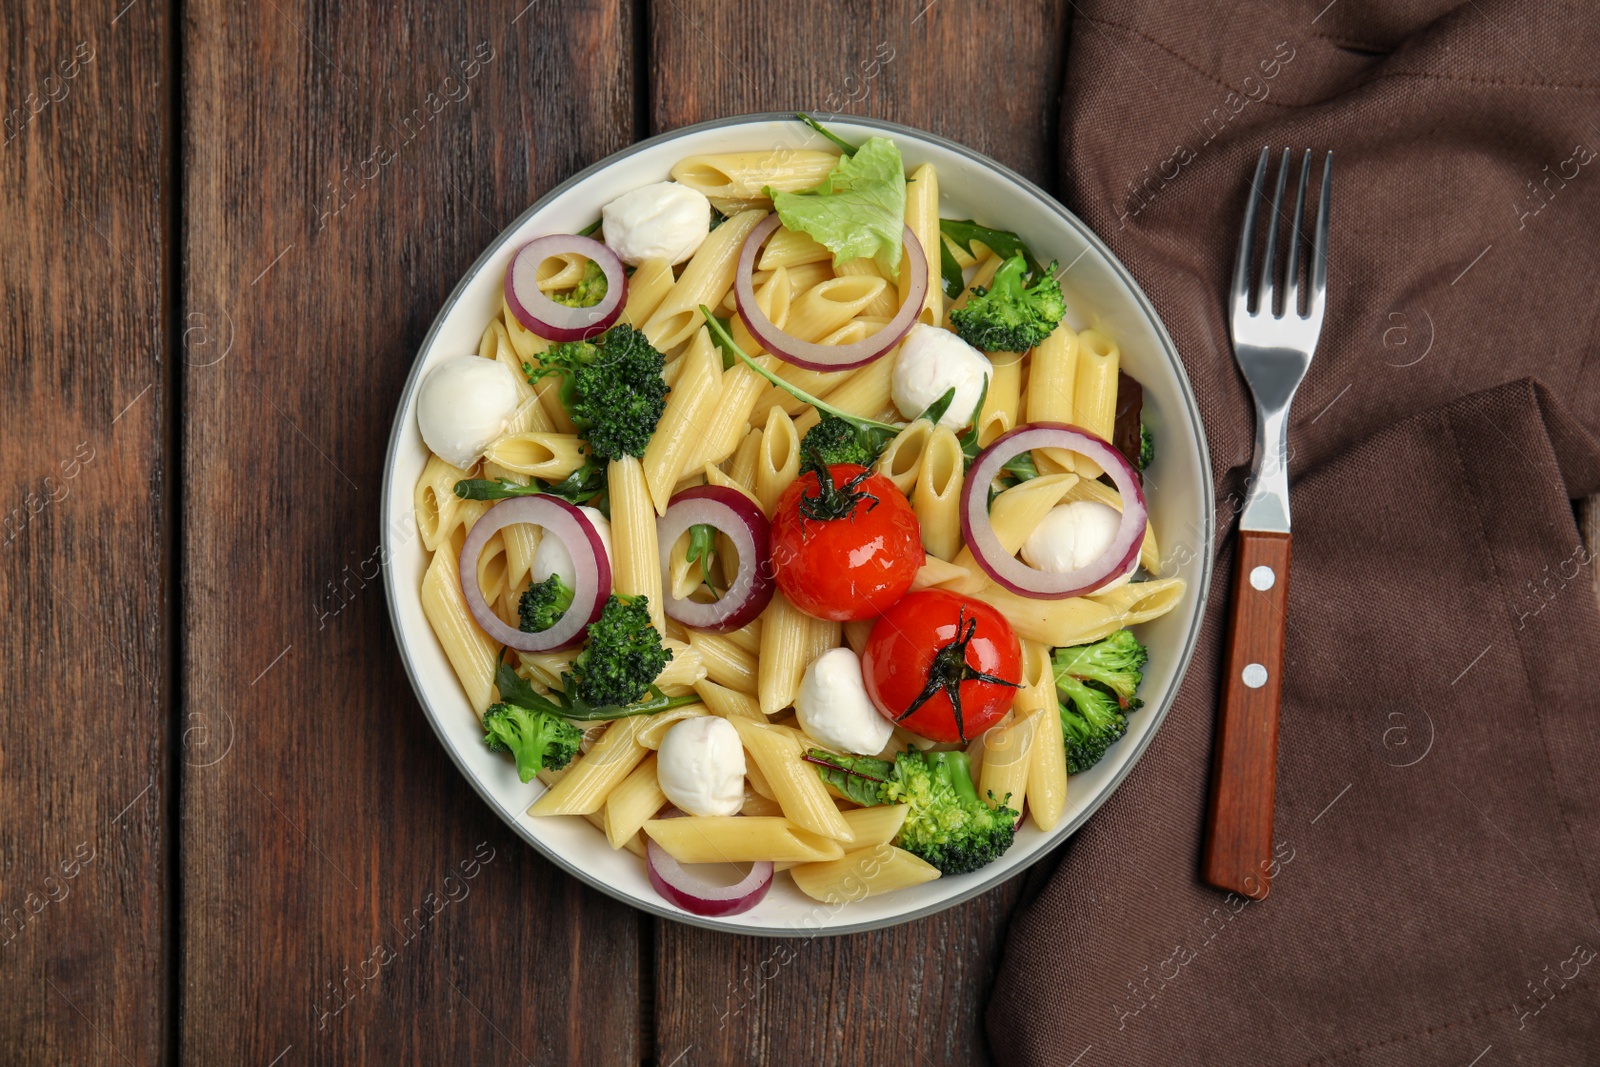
1062, 833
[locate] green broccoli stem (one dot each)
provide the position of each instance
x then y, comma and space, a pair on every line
659, 701
724, 339
954, 768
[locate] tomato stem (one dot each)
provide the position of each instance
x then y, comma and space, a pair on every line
949, 669
832, 501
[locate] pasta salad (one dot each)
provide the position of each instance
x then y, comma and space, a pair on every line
780, 522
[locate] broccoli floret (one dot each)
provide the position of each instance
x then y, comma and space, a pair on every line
623, 656
1011, 316
1147, 446
588, 292
1091, 722
543, 604
539, 740
612, 387
948, 825
833, 440
1097, 683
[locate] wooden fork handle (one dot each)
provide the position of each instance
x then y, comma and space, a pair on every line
1238, 844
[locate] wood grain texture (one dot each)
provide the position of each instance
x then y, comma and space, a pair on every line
1238, 841
347, 897
85, 188
915, 993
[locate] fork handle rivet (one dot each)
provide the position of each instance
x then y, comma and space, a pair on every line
1254, 675
1263, 578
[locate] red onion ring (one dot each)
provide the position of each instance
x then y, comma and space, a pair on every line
1011, 573
590, 565
680, 887
545, 317
809, 354
735, 515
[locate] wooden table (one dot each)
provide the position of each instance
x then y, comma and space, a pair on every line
228, 833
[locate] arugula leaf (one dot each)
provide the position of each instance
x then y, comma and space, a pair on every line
726, 326
950, 274
591, 229
860, 778
877, 434
969, 440
844, 146
935, 411
859, 210
515, 690
703, 547
1002, 243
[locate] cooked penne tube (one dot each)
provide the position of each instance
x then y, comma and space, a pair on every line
1004, 778
635, 801
901, 462
828, 305
867, 392
1047, 769
922, 216
435, 503
550, 456
790, 248
635, 561
726, 663
657, 725
729, 703
681, 433
1079, 620
876, 825
1002, 401
1094, 489
591, 777
470, 651
1013, 516
778, 460
886, 303
686, 667
795, 783
861, 874
706, 279
785, 652
740, 839
1094, 393
936, 497
748, 175
1052, 387
742, 464
646, 289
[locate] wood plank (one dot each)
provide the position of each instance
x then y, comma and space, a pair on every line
347, 896
914, 993
85, 185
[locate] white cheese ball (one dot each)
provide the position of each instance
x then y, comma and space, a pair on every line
834, 709
932, 360
552, 557
464, 404
1073, 536
661, 221
700, 766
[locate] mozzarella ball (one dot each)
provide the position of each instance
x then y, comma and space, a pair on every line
552, 557
661, 221
932, 360
700, 766
834, 709
464, 404
1073, 536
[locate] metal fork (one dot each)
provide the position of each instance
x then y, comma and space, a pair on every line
1273, 345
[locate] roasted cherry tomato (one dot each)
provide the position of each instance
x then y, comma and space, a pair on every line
846, 545
944, 666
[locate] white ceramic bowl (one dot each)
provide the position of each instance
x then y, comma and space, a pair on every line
1099, 290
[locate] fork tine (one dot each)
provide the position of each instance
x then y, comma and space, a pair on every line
1247, 240
1267, 302
1319, 248
1291, 267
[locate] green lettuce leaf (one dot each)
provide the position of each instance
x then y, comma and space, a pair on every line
858, 210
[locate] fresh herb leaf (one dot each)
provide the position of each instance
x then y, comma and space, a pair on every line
591, 229
859, 209
877, 434
725, 327
935, 411
844, 146
1002, 243
514, 689
860, 778
969, 440
703, 547
950, 273
717, 218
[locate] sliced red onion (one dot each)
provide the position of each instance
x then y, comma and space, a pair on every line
1010, 572
591, 570
809, 354
680, 887
545, 317
735, 515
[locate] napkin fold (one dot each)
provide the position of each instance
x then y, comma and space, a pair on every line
1438, 813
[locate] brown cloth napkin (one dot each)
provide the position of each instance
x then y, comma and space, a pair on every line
1438, 814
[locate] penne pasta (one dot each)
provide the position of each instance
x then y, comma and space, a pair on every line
591, 777
1013, 515
861, 874
740, 839
876, 825
748, 175
1006, 750
922, 216
537, 454
706, 279
1052, 386
788, 248
828, 305
936, 497
778, 459
1079, 620
1094, 393
651, 282
901, 462
435, 504
681, 433
635, 562
785, 652
635, 801
471, 652
657, 725
795, 783
728, 703
726, 663
1003, 400
1093, 489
